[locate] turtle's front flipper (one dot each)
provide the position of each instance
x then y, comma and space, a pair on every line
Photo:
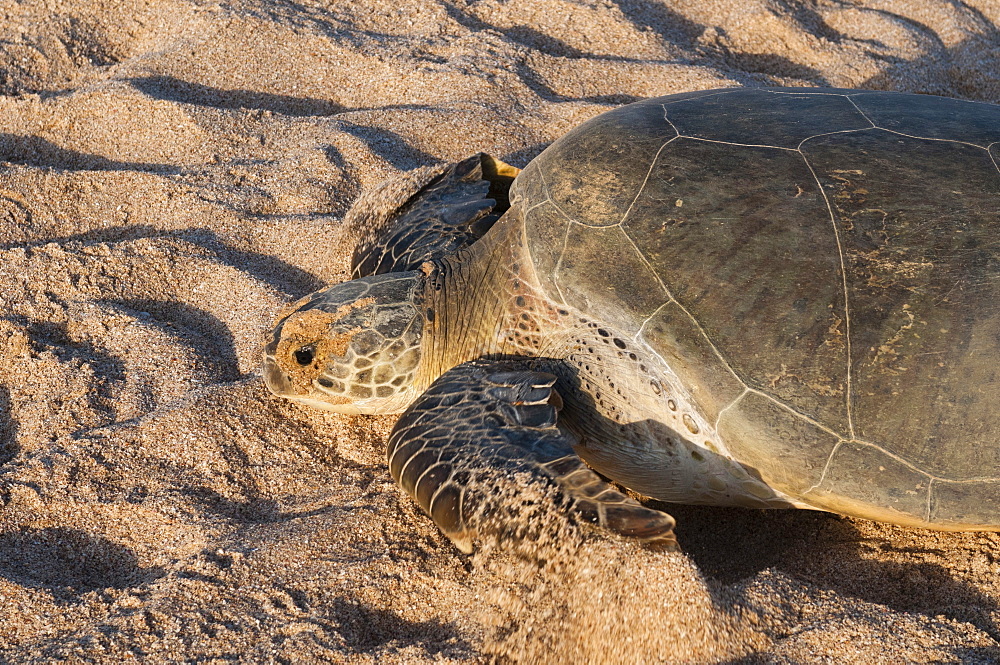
481, 431
451, 208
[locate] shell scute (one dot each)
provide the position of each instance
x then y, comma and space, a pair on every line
932, 117
917, 221
794, 451
598, 175
601, 272
685, 348
866, 475
957, 503
750, 252
785, 120
545, 230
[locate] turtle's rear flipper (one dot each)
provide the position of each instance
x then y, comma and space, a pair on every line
476, 446
451, 210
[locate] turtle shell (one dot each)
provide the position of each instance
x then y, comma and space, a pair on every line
821, 267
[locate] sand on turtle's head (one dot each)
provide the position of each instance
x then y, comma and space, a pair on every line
353, 348
312, 332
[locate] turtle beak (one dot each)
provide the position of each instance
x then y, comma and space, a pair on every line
275, 379
279, 383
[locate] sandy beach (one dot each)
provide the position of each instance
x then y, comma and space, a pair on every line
173, 173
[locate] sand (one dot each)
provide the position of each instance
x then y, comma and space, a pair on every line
174, 172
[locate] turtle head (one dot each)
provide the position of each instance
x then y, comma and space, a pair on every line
353, 348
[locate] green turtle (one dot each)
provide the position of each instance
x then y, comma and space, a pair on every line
774, 297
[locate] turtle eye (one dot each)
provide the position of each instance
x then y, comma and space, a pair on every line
305, 355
